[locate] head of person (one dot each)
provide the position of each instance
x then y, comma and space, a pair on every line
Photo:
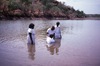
31, 25
51, 36
52, 28
58, 23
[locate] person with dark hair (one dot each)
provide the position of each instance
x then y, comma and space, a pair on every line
57, 30
31, 34
51, 31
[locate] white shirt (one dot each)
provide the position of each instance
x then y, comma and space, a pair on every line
31, 31
33, 35
49, 31
50, 40
57, 32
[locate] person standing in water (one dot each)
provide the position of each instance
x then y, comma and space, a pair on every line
57, 30
31, 34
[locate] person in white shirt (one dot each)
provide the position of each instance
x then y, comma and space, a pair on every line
57, 30
50, 39
51, 31
31, 34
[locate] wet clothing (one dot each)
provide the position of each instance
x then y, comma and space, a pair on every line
50, 40
28, 36
57, 32
50, 32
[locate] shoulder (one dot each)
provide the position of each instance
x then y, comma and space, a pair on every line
56, 26
29, 30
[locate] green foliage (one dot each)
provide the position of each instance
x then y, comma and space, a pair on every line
44, 2
25, 1
62, 7
38, 7
80, 14
13, 5
55, 8
49, 6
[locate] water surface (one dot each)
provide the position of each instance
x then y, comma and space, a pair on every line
79, 46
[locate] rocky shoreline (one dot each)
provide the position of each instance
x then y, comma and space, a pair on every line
29, 9
56, 18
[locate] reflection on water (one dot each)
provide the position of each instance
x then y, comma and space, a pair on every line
31, 50
54, 48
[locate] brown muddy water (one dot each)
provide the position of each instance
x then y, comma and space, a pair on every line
79, 46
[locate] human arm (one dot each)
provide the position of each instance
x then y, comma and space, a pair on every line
30, 34
47, 32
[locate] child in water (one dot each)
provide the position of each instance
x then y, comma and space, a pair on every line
31, 34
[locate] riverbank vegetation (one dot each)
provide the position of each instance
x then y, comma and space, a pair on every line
15, 9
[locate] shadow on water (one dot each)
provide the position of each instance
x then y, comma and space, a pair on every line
54, 48
31, 51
